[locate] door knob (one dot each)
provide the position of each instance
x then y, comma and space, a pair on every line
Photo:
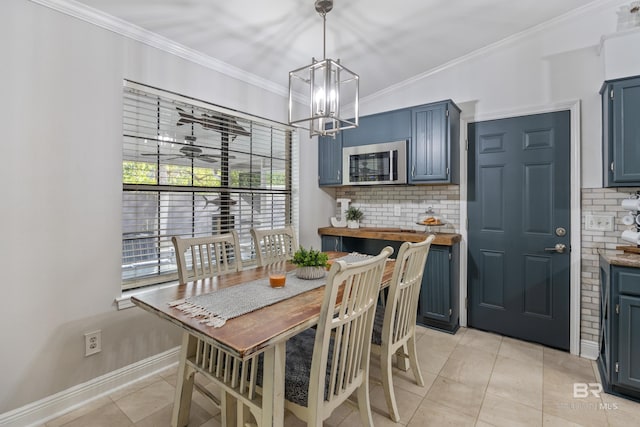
559, 248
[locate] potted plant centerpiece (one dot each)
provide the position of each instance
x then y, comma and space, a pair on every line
353, 215
311, 263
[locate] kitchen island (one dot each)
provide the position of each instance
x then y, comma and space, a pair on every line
438, 306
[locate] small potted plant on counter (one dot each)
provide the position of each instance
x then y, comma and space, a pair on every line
354, 215
311, 263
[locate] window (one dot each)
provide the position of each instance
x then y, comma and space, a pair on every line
191, 169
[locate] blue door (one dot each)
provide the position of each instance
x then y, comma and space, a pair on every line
519, 229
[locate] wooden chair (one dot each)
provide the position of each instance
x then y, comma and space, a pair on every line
395, 325
274, 245
202, 257
324, 366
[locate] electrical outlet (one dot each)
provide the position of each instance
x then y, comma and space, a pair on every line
92, 342
397, 210
599, 222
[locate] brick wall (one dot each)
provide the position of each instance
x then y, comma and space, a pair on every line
598, 201
378, 202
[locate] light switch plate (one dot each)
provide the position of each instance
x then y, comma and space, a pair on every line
599, 222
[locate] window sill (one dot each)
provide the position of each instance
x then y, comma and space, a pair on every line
124, 301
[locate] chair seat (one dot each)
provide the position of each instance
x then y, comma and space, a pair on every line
376, 338
299, 355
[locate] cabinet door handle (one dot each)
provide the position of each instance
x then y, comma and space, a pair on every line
413, 170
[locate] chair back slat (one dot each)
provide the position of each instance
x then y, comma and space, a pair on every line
209, 256
349, 327
400, 315
274, 245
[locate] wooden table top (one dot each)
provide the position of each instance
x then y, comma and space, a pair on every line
251, 332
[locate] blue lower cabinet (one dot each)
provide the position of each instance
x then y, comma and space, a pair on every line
331, 243
439, 294
438, 305
619, 359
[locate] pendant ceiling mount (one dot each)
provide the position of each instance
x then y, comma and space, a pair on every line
323, 96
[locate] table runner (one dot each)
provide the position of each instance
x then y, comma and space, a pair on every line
215, 308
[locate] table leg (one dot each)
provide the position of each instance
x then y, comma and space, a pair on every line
184, 382
273, 386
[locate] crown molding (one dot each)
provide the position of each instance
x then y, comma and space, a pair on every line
597, 4
134, 32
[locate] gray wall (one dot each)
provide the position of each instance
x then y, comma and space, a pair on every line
61, 112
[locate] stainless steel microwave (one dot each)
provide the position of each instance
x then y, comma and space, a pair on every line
384, 163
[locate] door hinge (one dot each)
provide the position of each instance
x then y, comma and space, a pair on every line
450, 312
449, 256
466, 303
617, 308
447, 171
611, 94
466, 144
617, 369
447, 113
611, 167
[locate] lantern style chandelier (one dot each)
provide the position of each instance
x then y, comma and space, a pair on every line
329, 91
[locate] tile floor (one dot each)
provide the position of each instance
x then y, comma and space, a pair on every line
472, 378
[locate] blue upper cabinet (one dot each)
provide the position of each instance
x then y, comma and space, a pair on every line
434, 147
330, 160
433, 132
621, 132
378, 128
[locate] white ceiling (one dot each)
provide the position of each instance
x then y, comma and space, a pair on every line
384, 41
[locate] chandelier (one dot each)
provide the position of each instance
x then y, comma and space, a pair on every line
329, 91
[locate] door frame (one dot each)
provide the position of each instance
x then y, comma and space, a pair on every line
575, 215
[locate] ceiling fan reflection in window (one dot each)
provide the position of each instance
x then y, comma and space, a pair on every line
189, 152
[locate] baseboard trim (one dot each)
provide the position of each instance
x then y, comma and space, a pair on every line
589, 349
43, 410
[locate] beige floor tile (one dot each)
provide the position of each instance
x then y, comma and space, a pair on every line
402, 379
459, 397
627, 405
567, 365
106, 416
142, 403
558, 400
340, 414
486, 341
213, 422
549, 420
204, 401
379, 420
433, 414
83, 410
518, 381
622, 418
501, 412
171, 370
434, 339
162, 418
469, 365
132, 388
521, 350
407, 402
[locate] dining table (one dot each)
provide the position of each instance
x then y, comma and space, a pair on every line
265, 330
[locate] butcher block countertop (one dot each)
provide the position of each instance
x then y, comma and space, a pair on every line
621, 259
397, 234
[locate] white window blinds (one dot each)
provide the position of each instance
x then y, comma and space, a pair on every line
191, 169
